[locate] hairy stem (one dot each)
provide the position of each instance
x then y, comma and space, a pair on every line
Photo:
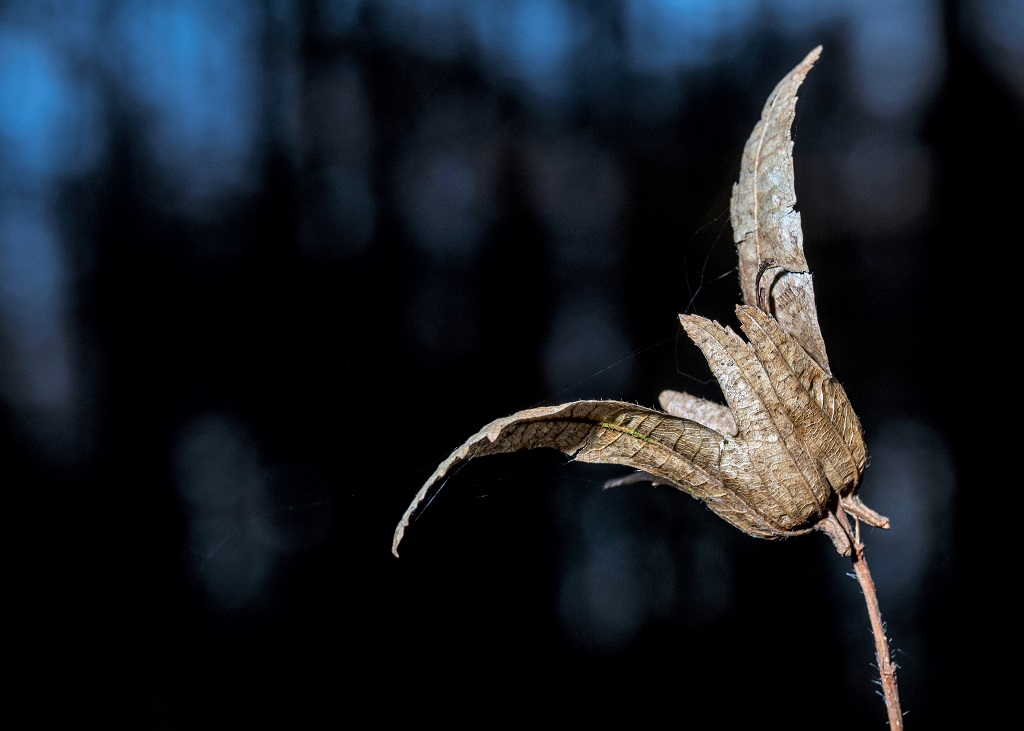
886, 668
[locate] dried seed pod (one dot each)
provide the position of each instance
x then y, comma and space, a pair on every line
787, 450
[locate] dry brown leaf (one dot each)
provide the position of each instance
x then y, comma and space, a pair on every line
787, 451
766, 225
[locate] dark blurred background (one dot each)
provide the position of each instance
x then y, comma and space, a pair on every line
264, 264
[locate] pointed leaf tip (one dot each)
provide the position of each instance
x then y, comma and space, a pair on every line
774, 275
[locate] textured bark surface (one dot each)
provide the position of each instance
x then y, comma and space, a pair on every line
786, 452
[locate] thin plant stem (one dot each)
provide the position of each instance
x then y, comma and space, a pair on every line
886, 668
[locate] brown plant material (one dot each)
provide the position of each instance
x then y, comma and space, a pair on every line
788, 449
785, 455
